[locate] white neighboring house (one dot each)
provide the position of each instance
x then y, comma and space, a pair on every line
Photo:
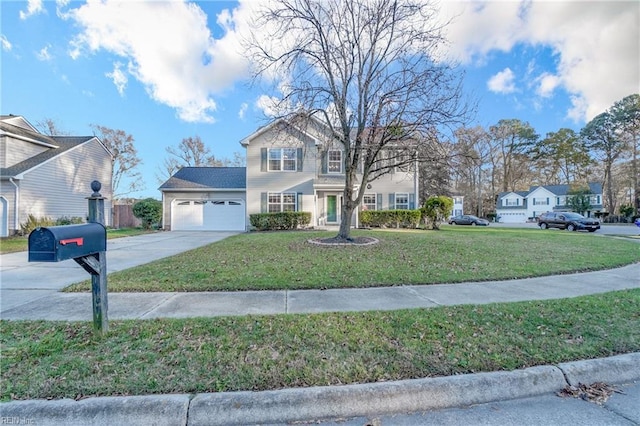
289, 168
48, 176
458, 203
523, 206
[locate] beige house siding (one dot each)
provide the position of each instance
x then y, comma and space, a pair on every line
59, 187
300, 182
20, 150
8, 192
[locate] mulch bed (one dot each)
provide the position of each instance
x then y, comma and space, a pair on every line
336, 241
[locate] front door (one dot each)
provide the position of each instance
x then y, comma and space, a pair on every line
332, 208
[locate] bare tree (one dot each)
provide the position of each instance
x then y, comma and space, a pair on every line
368, 69
603, 137
125, 160
48, 126
192, 152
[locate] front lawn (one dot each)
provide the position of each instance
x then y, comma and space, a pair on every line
67, 360
285, 260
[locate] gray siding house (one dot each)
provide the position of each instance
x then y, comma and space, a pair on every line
48, 176
289, 168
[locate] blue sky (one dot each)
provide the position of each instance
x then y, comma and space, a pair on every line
166, 70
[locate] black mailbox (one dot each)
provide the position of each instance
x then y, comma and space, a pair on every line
57, 243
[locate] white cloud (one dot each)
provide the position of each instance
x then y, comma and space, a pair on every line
597, 44
502, 82
34, 7
6, 44
268, 105
43, 54
547, 83
171, 51
243, 110
119, 77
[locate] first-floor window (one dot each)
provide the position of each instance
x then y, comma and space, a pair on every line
402, 201
369, 201
281, 202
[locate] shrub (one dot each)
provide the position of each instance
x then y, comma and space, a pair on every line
35, 222
149, 211
279, 221
69, 220
436, 209
390, 218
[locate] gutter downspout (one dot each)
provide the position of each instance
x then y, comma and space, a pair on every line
16, 209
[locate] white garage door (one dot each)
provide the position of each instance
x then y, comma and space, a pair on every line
215, 215
518, 217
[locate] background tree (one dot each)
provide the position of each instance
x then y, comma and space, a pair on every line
192, 152
514, 140
603, 138
562, 158
473, 162
125, 178
579, 199
626, 113
48, 126
436, 209
149, 211
369, 69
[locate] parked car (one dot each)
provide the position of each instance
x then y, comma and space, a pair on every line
567, 220
468, 219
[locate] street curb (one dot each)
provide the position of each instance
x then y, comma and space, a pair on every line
327, 402
161, 410
290, 405
616, 369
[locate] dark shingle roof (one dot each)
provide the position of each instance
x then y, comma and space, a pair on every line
207, 178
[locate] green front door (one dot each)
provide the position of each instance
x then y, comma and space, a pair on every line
332, 208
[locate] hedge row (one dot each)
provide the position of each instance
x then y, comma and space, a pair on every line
390, 218
277, 221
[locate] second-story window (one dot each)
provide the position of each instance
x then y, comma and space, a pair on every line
282, 159
334, 161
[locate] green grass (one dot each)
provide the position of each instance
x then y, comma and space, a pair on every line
285, 260
56, 359
18, 244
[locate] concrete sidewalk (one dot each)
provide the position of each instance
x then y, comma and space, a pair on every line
77, 306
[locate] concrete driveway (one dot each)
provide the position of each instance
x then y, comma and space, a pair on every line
23, 282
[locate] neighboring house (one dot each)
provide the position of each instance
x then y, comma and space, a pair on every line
289, 168
458, 206
48, 176
521, 206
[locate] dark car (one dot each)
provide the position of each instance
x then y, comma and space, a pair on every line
468, 219
567, 220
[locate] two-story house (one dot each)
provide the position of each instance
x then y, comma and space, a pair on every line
289, 168
48, 176
523, 206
